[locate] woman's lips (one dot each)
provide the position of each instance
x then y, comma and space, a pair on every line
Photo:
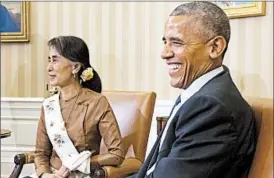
52, 77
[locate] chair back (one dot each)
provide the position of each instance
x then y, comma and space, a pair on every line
262, 165
133, 111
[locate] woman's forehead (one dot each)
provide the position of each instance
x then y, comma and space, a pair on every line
53, 51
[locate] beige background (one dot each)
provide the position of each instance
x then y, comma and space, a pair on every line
125, 45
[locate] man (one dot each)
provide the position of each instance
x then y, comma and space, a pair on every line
211, 130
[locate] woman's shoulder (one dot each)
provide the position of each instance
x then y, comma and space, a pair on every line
92, 98
91, 95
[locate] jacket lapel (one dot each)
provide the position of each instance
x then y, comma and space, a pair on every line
153, 155
148, 162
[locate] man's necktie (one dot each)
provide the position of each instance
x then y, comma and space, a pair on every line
156, 151
177, 101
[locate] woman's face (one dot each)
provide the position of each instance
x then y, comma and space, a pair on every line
59, 69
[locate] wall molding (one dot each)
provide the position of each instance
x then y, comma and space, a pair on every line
12, 148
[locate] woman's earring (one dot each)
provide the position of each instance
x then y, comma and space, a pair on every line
74, 75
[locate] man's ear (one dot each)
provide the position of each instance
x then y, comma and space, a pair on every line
217, 47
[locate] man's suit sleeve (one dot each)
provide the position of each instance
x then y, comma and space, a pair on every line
205, 141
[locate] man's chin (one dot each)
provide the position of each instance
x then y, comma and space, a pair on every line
175, 84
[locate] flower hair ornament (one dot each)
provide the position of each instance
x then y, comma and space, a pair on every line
87, 74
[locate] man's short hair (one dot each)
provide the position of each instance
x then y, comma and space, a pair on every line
212, 18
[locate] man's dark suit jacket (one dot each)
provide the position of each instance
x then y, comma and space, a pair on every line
211, 136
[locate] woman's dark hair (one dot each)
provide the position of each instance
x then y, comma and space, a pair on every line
76, 50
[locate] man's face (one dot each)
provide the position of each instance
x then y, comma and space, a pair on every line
185, 51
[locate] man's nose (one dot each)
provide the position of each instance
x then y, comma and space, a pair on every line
167, 52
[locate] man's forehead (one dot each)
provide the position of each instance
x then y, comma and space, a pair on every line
182, 25
178, 20
177, 24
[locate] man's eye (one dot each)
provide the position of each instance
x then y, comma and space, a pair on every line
177, 43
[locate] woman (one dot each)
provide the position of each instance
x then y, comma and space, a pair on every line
74, 121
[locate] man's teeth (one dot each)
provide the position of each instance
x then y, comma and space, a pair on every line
174, 66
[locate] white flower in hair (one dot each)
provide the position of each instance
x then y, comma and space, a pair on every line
87, 74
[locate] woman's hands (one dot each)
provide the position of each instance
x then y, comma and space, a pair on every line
63, 172
48, 175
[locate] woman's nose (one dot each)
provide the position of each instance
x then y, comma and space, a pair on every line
49, 67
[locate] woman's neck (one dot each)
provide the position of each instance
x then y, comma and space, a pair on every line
70, 91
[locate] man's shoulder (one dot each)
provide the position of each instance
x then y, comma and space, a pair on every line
222, 90
221, 87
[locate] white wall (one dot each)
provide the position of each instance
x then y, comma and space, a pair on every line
21, 115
